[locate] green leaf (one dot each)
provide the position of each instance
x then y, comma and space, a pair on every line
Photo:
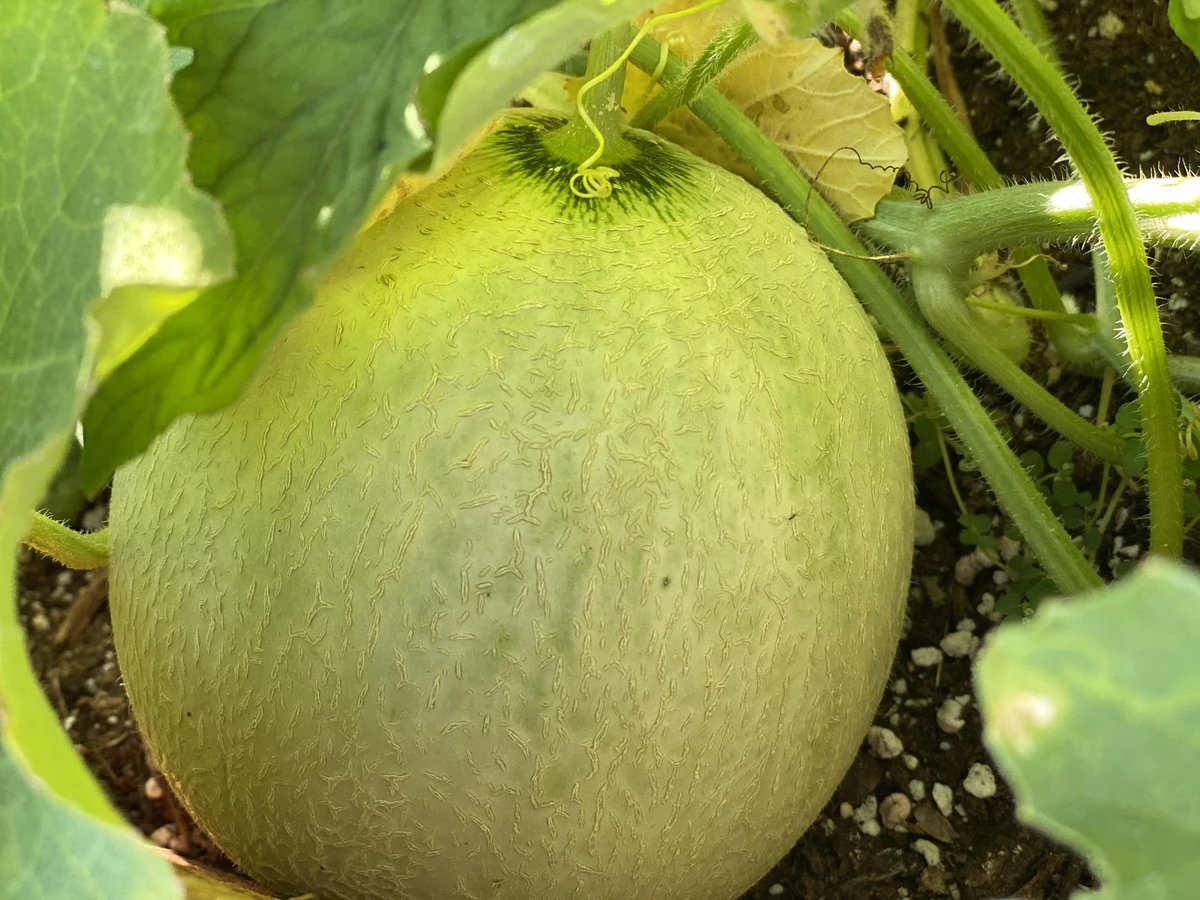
94, 199
52, 850
1185, 20
1032, 462
1092, 712
302, 113
1061, 454
93, 196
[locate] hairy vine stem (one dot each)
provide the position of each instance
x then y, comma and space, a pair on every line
1043, 83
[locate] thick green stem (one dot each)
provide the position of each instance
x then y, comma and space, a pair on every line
941, 294
1044, 85
1167, 212
1032, 21
599, 104
74, 549
974, 166
1062, 560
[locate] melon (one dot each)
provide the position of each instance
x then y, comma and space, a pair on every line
559, 550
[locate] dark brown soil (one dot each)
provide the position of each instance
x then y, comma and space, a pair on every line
863, 847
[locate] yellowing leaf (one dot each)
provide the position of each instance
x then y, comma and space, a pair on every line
830, 123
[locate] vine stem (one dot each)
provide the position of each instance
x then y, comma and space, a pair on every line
593, 134
1042, 82
74, 549
1062, 559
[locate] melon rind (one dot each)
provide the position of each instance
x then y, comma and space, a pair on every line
548, 555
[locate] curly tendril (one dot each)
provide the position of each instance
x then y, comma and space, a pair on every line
596, 181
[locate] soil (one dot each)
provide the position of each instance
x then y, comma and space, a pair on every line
903, 823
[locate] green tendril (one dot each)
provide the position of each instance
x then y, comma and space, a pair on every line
1162, 118
590, 180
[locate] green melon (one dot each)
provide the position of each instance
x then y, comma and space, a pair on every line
559, 550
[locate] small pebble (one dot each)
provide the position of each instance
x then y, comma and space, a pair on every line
967, 567
871, 827
910, 761
883, 743
950, 715
1110, 26
152, 789
965, 625
775, 890
846, 810
930, 851
39, 622
163, 835
866, 810
1008, 548
916, 789
980, 781
943, 798
900, 687
926, 656
924, 531
958, 644
894, 810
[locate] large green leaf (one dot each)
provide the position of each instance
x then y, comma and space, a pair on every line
93, 196
302, 112
1092, 712
51, 850
1185, 20
94, 199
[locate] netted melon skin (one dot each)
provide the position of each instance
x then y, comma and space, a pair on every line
551, 553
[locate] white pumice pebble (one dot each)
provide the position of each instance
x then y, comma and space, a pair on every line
865, 817
39, 622
894, 810
950, 716
967, 567
980, 781
883, 743
775, 890
910, 761
1000, 577
900, 687
1110, 26
163, 835
871, 827
965, 625
943, 745
930, 851
1008, 548
916, 789
924, 532
943, 798
866, 810
152, 789
926, 656
846, 810
958, 644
